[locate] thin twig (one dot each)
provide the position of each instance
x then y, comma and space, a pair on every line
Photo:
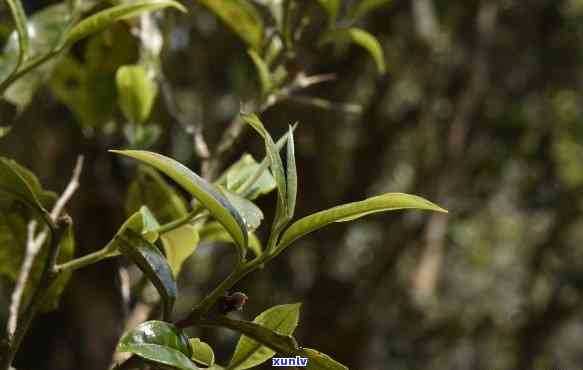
33, 246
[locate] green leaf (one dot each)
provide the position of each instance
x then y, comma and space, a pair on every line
263, 73
241, 16
204, 192
49, 25
151, 189
143, 223
331, 7
66, 253
178, 245
202, 353
159, 342
19, 17
136, 92
352, 211
361, 38
291, 175
321, 361
276, 169
363, 7
105, 18
237, 177
281, 319
152, 263
214, 231
13, 183
284, 344
251, 214
4, 130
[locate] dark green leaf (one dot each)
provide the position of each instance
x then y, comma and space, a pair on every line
204, 192
361, 38
281, 319
105, 18
352, 211
241, 16
202, 353
13, 183
136, 92
159, 342
152, 263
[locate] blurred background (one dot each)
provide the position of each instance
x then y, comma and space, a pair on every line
479, 111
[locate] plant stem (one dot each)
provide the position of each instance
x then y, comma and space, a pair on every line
179, 222
4, 85
88, 259
40, 293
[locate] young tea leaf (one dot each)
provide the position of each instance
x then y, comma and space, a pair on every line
281, 319
202, 353
277, 170
291, 175
179, 244
136, 92
361, 38
247, 209
321, 361
204, 192
241, 16
215, 232
248, 178
352, 211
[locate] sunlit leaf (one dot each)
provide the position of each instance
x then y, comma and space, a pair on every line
321, 361
252, 215
241, 16
4, 130
202, 353
276, 166
361, 38
159, 342
152, 263
105, 18
291, 175
262, 72
136, 92
237, 177
204, 192
281, 319
179, 244
352, 211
